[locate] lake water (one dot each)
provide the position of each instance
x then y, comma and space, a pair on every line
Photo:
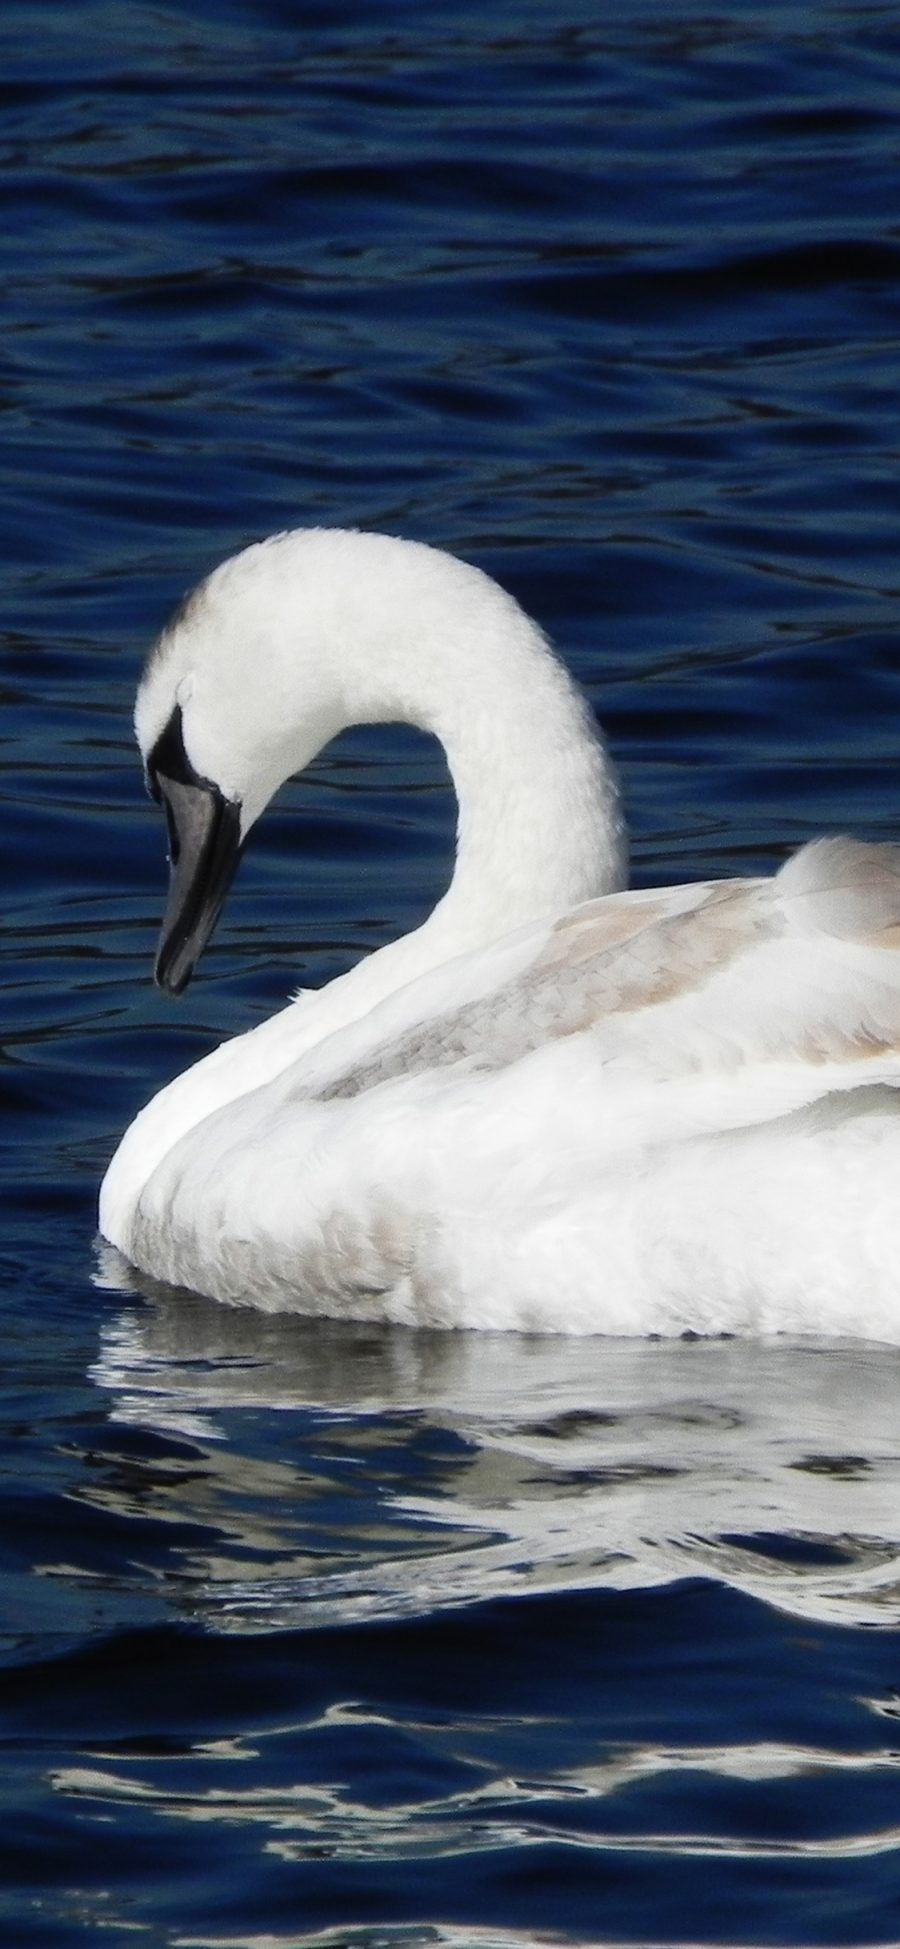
316, 1634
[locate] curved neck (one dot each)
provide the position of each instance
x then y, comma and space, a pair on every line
305, 634
539, 821
540, 825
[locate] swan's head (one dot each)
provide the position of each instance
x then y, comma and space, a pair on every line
235, 697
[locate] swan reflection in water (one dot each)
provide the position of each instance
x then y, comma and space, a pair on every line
341, 1471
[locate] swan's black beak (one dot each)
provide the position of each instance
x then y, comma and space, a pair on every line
204, 848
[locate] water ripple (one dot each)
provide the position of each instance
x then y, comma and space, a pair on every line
329, 1636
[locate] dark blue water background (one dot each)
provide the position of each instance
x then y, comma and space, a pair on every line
323, 1634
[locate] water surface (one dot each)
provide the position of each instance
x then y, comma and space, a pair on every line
319, 1634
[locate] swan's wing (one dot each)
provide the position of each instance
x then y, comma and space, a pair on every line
803, 968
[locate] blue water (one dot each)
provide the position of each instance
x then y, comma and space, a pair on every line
322, 1635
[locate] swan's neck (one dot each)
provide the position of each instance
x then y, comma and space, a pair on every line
539, 824
299, 637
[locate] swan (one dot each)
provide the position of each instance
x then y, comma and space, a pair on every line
557, 1105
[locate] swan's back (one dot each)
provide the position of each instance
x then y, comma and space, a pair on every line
803, 967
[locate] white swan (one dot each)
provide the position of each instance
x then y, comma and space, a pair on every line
555, 1106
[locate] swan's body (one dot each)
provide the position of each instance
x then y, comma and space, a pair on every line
556, 1105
